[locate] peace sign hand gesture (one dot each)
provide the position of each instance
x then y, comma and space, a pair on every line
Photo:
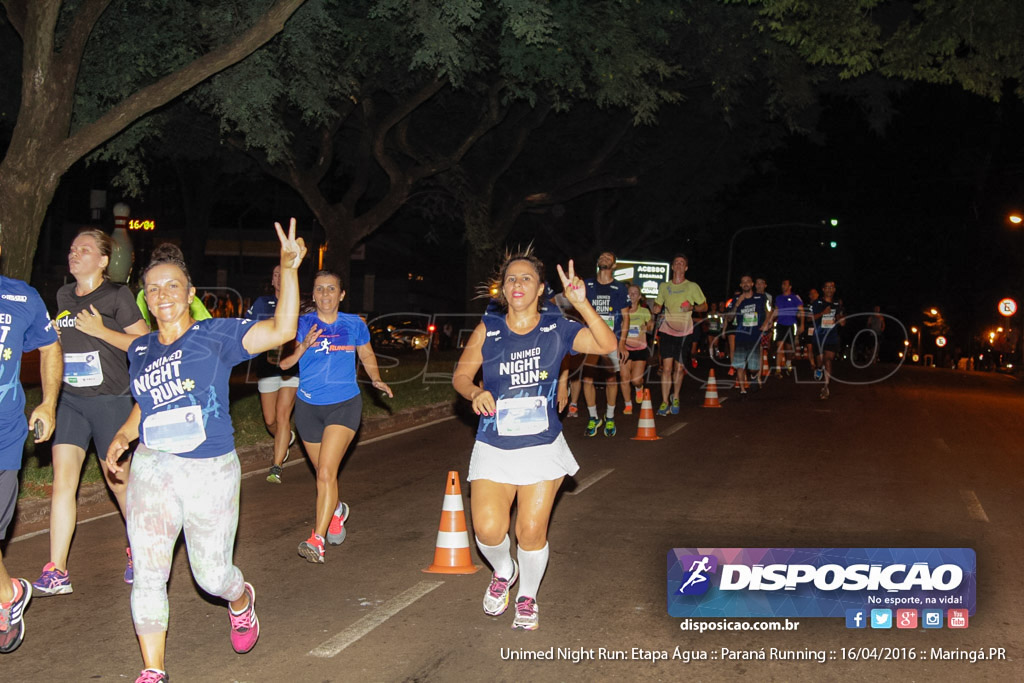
573, 287
292, 250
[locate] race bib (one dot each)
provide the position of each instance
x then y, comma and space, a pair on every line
609, 320
174, 431
523, 416
750, 318
634, 332
828, 320
83, 369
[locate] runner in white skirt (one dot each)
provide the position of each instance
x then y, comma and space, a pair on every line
520, 451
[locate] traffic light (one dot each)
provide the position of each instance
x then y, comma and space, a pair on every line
833, 244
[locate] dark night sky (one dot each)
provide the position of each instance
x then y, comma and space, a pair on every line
922, 205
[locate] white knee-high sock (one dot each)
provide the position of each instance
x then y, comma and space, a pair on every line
498, 556
532, 564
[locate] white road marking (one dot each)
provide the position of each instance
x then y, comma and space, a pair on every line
390, 608
974, 509
589, 481
673, 429
27, 536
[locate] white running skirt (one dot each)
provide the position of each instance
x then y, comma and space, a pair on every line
522, 466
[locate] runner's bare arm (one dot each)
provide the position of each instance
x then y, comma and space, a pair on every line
271, 333
51, 369
369, 361
463, 381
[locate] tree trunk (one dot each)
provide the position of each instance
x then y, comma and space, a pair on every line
483, 250
42, 148
24, 198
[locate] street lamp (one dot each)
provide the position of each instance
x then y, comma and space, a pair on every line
833, 222
917, 330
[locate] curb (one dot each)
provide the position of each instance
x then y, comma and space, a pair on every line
255, 457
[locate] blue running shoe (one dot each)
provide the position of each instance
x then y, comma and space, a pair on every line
593, 425
609, 427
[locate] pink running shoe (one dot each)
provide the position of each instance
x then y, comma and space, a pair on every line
496, 597
152, 676
312, 548
245, 627
336, 531
526, 614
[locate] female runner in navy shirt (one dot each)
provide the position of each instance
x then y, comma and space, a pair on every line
520, 451
185, 472
329, 406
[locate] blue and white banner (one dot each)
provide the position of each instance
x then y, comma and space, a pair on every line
817, 582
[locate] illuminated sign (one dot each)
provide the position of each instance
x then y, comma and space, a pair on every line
1007, 307
940, 341
647, 275
145, 225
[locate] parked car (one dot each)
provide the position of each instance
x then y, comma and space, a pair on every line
407, 331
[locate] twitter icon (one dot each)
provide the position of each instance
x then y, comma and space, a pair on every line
881, 618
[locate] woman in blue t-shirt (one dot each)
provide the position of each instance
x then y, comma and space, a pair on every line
520, 452
185, 472
329, 407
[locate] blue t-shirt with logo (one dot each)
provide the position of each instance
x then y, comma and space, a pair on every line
521, 372
182, 388
24, 326
609, 300
328, 368
750, 315
788, 306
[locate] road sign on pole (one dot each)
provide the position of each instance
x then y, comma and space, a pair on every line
1007, 307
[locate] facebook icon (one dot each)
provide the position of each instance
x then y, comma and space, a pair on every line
856, 618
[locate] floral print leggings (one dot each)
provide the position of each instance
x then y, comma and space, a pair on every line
168, 493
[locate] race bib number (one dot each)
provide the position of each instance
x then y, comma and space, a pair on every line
634, 332
828, 320
523, 416
83, 369
609, 320
750, 318
174, 431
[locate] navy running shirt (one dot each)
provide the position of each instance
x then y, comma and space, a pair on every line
266, 364
328, 368
521, 372
182, 388
609, 300
750, 315
826, 329
24, 326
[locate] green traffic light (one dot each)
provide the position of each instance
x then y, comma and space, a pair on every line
834, 222
833, 244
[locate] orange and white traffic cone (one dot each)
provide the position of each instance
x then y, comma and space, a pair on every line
645, 425
765, 369
451, 553
711, 395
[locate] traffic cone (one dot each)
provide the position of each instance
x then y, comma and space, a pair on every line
711, 395
645, 425
765, 369
451, 552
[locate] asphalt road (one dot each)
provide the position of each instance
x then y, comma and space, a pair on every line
922, 458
